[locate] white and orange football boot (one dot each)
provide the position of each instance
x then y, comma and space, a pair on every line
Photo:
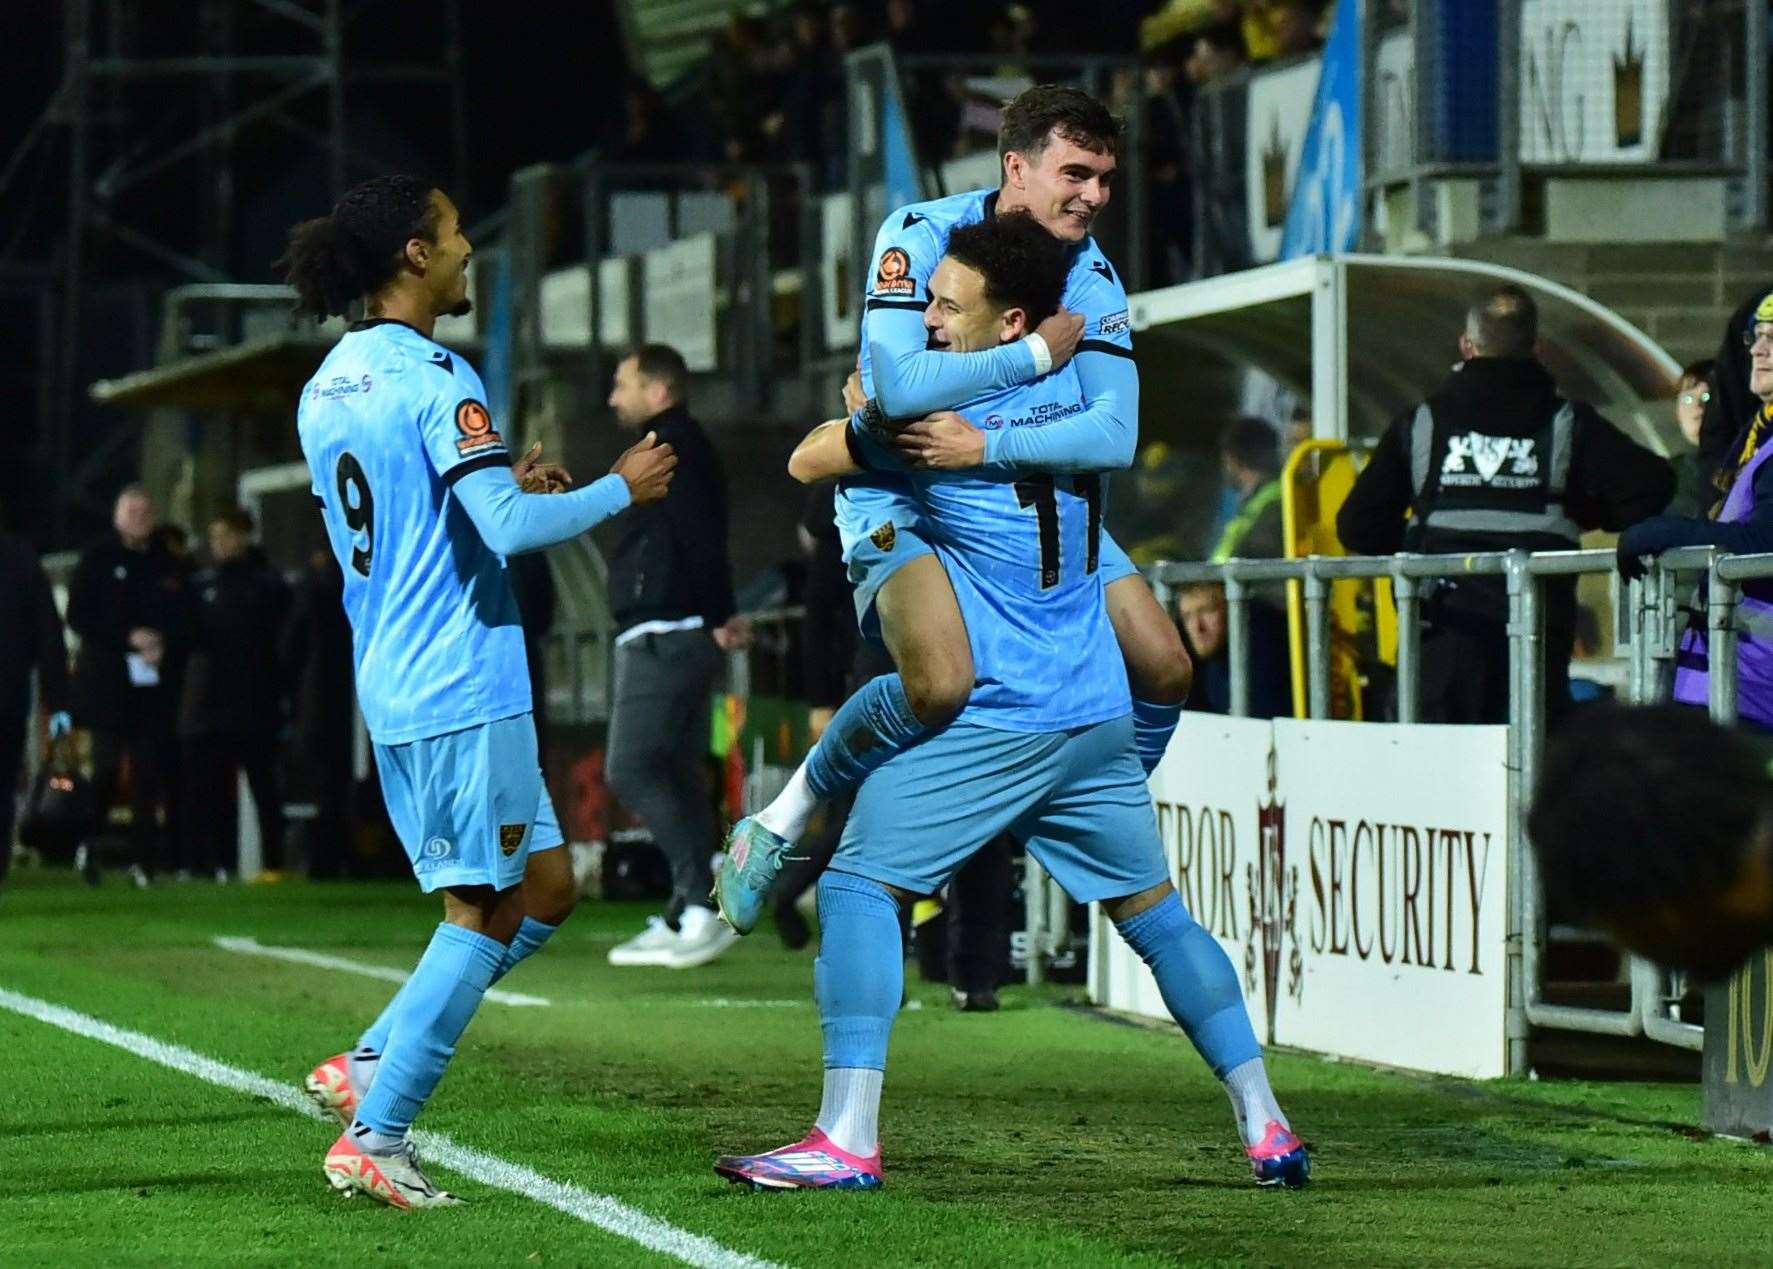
394, 1179
329, 1087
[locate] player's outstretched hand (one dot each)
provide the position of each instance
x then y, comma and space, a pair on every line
535, 476
647, 466
943, 441
1062, 331
853, 396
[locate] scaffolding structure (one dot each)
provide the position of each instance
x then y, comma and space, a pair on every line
231, 66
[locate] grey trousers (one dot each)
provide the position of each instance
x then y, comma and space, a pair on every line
658, 747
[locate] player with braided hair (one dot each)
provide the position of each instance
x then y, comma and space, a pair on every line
421, 504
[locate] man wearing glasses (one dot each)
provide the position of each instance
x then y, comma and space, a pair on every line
1742, 524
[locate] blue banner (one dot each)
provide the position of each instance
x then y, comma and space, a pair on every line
1325, 214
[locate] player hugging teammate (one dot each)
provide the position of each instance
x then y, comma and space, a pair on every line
1039, 681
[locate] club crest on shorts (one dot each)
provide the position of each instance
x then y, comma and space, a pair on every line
884, 536
510, 838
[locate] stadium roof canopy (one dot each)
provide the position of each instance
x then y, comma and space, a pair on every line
1368, 336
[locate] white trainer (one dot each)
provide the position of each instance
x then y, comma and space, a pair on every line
701, 937
652, 946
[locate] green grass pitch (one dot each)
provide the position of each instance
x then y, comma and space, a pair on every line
1042, 1135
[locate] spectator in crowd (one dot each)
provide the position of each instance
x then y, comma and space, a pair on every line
1202, 613
1216, 54
316, 651
741, 87
802, 128
1744, 524
978, 925
1495, 459
1249, 455
231, 714
1733, 407
30, 643
1278, 28
646, 132
1168, 176
671, 593
127, 602
1694, 492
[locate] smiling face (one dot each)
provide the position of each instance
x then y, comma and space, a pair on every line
1063, 185
445, 261
961, 317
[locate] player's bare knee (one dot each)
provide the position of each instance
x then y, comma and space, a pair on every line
1129, 906
494, 913
549, 892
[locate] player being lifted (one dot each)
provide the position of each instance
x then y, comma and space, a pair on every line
421, 501
1044, 750
1058, 150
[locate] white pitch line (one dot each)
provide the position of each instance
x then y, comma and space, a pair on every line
607, 1213
320, 960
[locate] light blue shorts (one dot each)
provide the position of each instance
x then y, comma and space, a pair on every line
895, 542
1076, 799
469, 805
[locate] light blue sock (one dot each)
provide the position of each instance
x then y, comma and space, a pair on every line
859, 976
1153, 725
524, 944
430, 1014
873, 725
1198, 984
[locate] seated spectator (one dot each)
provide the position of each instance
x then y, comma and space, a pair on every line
1249, 452
1694, 494
1204, 617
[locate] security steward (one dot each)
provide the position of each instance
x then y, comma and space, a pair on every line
1496, 460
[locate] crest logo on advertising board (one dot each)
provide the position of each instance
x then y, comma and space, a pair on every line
1274, 905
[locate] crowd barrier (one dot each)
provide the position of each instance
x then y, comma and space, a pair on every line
1447, 939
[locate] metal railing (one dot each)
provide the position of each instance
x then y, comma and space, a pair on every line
1655, 626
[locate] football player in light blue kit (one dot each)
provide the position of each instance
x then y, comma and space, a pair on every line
1043, 750
421, 501
1058, 148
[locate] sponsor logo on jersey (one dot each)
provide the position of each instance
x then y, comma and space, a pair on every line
884, 536
475, 425
1501, 462
339, 386
510, 838
893, 277
1115, 323
1042, 414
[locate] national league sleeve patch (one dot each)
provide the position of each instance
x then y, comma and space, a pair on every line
893, 275
476, 427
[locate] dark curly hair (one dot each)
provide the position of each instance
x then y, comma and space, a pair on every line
1641, 809
1079, 118
1023, 265
333, 261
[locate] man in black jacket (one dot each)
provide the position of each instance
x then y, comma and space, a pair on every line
30, 640
671, 592
1496, 460
127, 602
232, 707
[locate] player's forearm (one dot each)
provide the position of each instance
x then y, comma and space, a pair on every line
1103, 437
512, 522
910, 381
822, 454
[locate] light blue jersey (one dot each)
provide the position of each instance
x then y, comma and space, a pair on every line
1023, 554
389, 424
